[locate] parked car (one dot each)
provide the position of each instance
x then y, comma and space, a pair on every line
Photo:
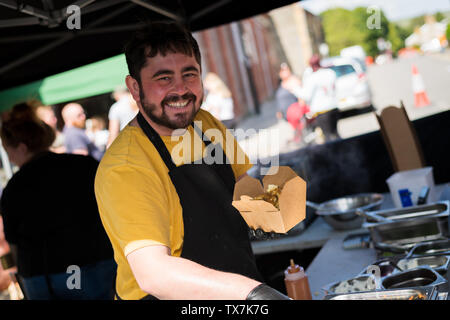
352, 87
353, 52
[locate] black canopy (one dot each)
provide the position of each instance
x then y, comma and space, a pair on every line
35, 40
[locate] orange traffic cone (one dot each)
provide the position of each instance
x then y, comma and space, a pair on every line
418, 86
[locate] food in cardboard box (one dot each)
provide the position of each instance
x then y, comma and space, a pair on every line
271, 195
285, 206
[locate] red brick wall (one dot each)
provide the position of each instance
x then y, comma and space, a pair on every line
220, 56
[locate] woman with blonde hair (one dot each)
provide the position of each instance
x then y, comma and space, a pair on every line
218, 101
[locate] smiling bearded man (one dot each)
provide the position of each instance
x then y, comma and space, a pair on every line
172, 225
182, 119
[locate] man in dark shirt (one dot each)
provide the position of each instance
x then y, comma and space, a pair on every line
75, 138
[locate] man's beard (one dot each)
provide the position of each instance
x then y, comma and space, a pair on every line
183, 120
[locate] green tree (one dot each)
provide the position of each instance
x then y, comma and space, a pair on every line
439, 16
340, 29
447, 32
344, 28
395, 37
372, 34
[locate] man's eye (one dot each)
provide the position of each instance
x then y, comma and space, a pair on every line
190, 75
164, 79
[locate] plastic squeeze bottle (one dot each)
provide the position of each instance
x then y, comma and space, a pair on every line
296, 281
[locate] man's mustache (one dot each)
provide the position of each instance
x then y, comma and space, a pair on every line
176, 98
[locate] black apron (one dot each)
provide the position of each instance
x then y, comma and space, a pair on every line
215, 234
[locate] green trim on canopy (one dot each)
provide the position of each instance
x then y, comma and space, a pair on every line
83, 82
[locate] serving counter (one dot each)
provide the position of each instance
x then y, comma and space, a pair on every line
333, 262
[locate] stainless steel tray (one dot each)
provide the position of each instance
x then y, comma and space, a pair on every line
425, 293
408, 226
423, 276
422, 283
387, 267
438, 263
360, 283
425, 210
427, 248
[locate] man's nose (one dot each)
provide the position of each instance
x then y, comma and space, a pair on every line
179, 86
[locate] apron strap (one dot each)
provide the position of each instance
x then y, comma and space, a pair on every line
156, 140
204, 137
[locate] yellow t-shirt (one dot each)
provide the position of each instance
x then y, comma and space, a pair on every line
138, 203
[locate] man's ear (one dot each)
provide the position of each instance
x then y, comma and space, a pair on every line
133, 86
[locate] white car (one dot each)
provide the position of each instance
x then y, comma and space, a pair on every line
352, 87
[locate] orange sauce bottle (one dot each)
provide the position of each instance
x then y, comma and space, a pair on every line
296, 281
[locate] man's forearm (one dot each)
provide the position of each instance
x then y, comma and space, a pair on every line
179, 278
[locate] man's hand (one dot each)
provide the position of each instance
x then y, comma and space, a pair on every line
264, 292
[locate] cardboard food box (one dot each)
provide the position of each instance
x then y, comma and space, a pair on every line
263, 214
400, 139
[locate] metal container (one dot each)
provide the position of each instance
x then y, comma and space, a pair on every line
438, 247
409, 226
360, 283
418, 277
398, 294
341, 214
439, 263
387, 267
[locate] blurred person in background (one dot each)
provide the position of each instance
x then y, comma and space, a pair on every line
218, 101
5, 278
46, 114
319, 93
121, 112
290, 107
97, 132
75, 138
50, 215
287, 92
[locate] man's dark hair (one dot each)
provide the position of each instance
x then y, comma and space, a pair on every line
159, 38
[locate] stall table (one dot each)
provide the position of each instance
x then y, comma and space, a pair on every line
333, 262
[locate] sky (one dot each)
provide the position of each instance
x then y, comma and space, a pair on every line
393, 9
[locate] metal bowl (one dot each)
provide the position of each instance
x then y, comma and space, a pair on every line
418, 277
341, 214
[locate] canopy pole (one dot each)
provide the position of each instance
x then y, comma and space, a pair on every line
27, 9
19, 22
60, 41
207, 10
157, 9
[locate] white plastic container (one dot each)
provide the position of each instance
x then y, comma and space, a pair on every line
405, 186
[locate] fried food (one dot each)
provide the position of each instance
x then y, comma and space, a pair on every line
418, 297
271, 195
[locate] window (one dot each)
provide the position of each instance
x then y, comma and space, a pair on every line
342, 70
